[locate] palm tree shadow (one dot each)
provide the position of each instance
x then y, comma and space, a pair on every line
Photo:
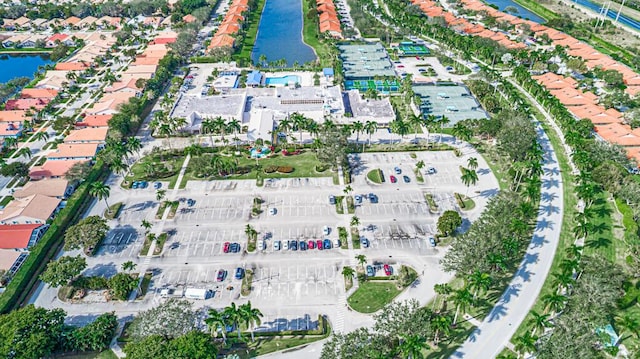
601, 228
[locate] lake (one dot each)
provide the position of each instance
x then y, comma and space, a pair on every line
522, 12
280, 33
21, 65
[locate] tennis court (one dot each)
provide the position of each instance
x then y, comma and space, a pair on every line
412, 49
455, 102
383, 86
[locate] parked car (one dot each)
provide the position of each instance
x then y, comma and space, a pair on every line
143, 184
364, 242
432, 241
134, 185
303, 245
157, 185
388, 270
373, 198
336, 243
191, 202
406, 179
326, 244
332, 200
235, 247
226, 246
397, 170
312, 244
285, 245
276, 245
370, 271
431, 170
260, 245
239, 273
319, 244
326, 230
358, 198
393, 179
272, 211
222, 274
293, 245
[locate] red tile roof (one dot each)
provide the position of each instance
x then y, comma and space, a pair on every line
16, 235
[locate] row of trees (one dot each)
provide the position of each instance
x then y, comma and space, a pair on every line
32, 332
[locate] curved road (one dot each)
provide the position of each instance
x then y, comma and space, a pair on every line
496, 330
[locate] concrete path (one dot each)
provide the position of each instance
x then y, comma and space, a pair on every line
496, 330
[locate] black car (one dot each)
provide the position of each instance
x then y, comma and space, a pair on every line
406, 179
293, 245
190, 202
303, 245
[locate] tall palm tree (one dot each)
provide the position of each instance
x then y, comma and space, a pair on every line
472, 162
234, 315
220, 126
41, 136
416, 121
479, 281
284, 126
469, 177
348, 272
128, 266
24, 151
411, 346
442, 289
362, 259
234, 126
100, 191
357, 127
370, 127
251, 316
400, 127
538, 321
526, 343
463, 299
10, 142
146, 225
460, 131
440, 324
208, 127
299, 123
355, 221
217, 320
443, 121
553, 302
429, 122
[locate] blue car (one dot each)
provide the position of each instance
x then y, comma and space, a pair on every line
143, 184
293, 245
239, 273
303, 245
157, 185
326, 244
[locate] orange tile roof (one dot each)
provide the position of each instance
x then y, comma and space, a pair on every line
222, 40
94, 121
26, 103
88, 134
38, 93
71, 66
51, 169
619, 134
34, 207
14, 116
74, 151
16, 235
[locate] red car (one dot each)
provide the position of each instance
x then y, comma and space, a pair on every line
393, 179
226, 247
319, 244
312, 244
222, 274
388, 270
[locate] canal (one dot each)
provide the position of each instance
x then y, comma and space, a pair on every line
522, 12
21, 65
611, 13
280, 33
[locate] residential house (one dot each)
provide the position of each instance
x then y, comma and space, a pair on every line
39, 24
53, 187
109, 103
26, 104
15, 40
21, 236
74, 151
87, 135
33, 209
94, 121
72, 66
125, 86
62, 38
38, 93
14, 116
86, 22
11, 260
52, 169
11, 129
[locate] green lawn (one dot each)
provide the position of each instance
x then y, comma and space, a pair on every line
304, 165
310, 36
372, 296
253, 21
601, 241
375, 176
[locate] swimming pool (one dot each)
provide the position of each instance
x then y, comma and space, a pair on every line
282, 81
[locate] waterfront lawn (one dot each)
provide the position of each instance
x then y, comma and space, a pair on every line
246, 46
372, 296
311, 36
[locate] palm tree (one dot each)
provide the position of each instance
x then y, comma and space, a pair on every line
10, 142
41, 136
207, 126
357, 127
25, 151
469, 177
160, 194
348, 272
443, 121
443, 289
370, 127
250, 232
220, 126
563, 280
400, 127
234, 315
146, 225
440, 324
133, 145
462, 298
299, 123
100, 191
411, 346
217, 320
416, 121
234, 126
284, 126
472, 162
553, 302
538, 321
251, 316
355, 221
362, 259
479, 281
628, 323
420, 165
429, 123
128, 266
526, 343
461, 131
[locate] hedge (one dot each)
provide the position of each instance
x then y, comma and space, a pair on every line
20, 286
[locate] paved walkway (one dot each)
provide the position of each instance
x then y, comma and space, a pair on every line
496, 330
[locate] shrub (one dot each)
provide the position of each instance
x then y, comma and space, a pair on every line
270, 169
285, 169
91, 283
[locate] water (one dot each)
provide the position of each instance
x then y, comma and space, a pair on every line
613, 11
280, 33
21, 65
522, 12
284, 81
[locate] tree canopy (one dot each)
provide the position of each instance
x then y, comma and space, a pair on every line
168, 320
448, 222
86, 234
63, 270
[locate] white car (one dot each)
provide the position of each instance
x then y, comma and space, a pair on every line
336, 243
272, 211
260, 245
326, 230
285, 245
